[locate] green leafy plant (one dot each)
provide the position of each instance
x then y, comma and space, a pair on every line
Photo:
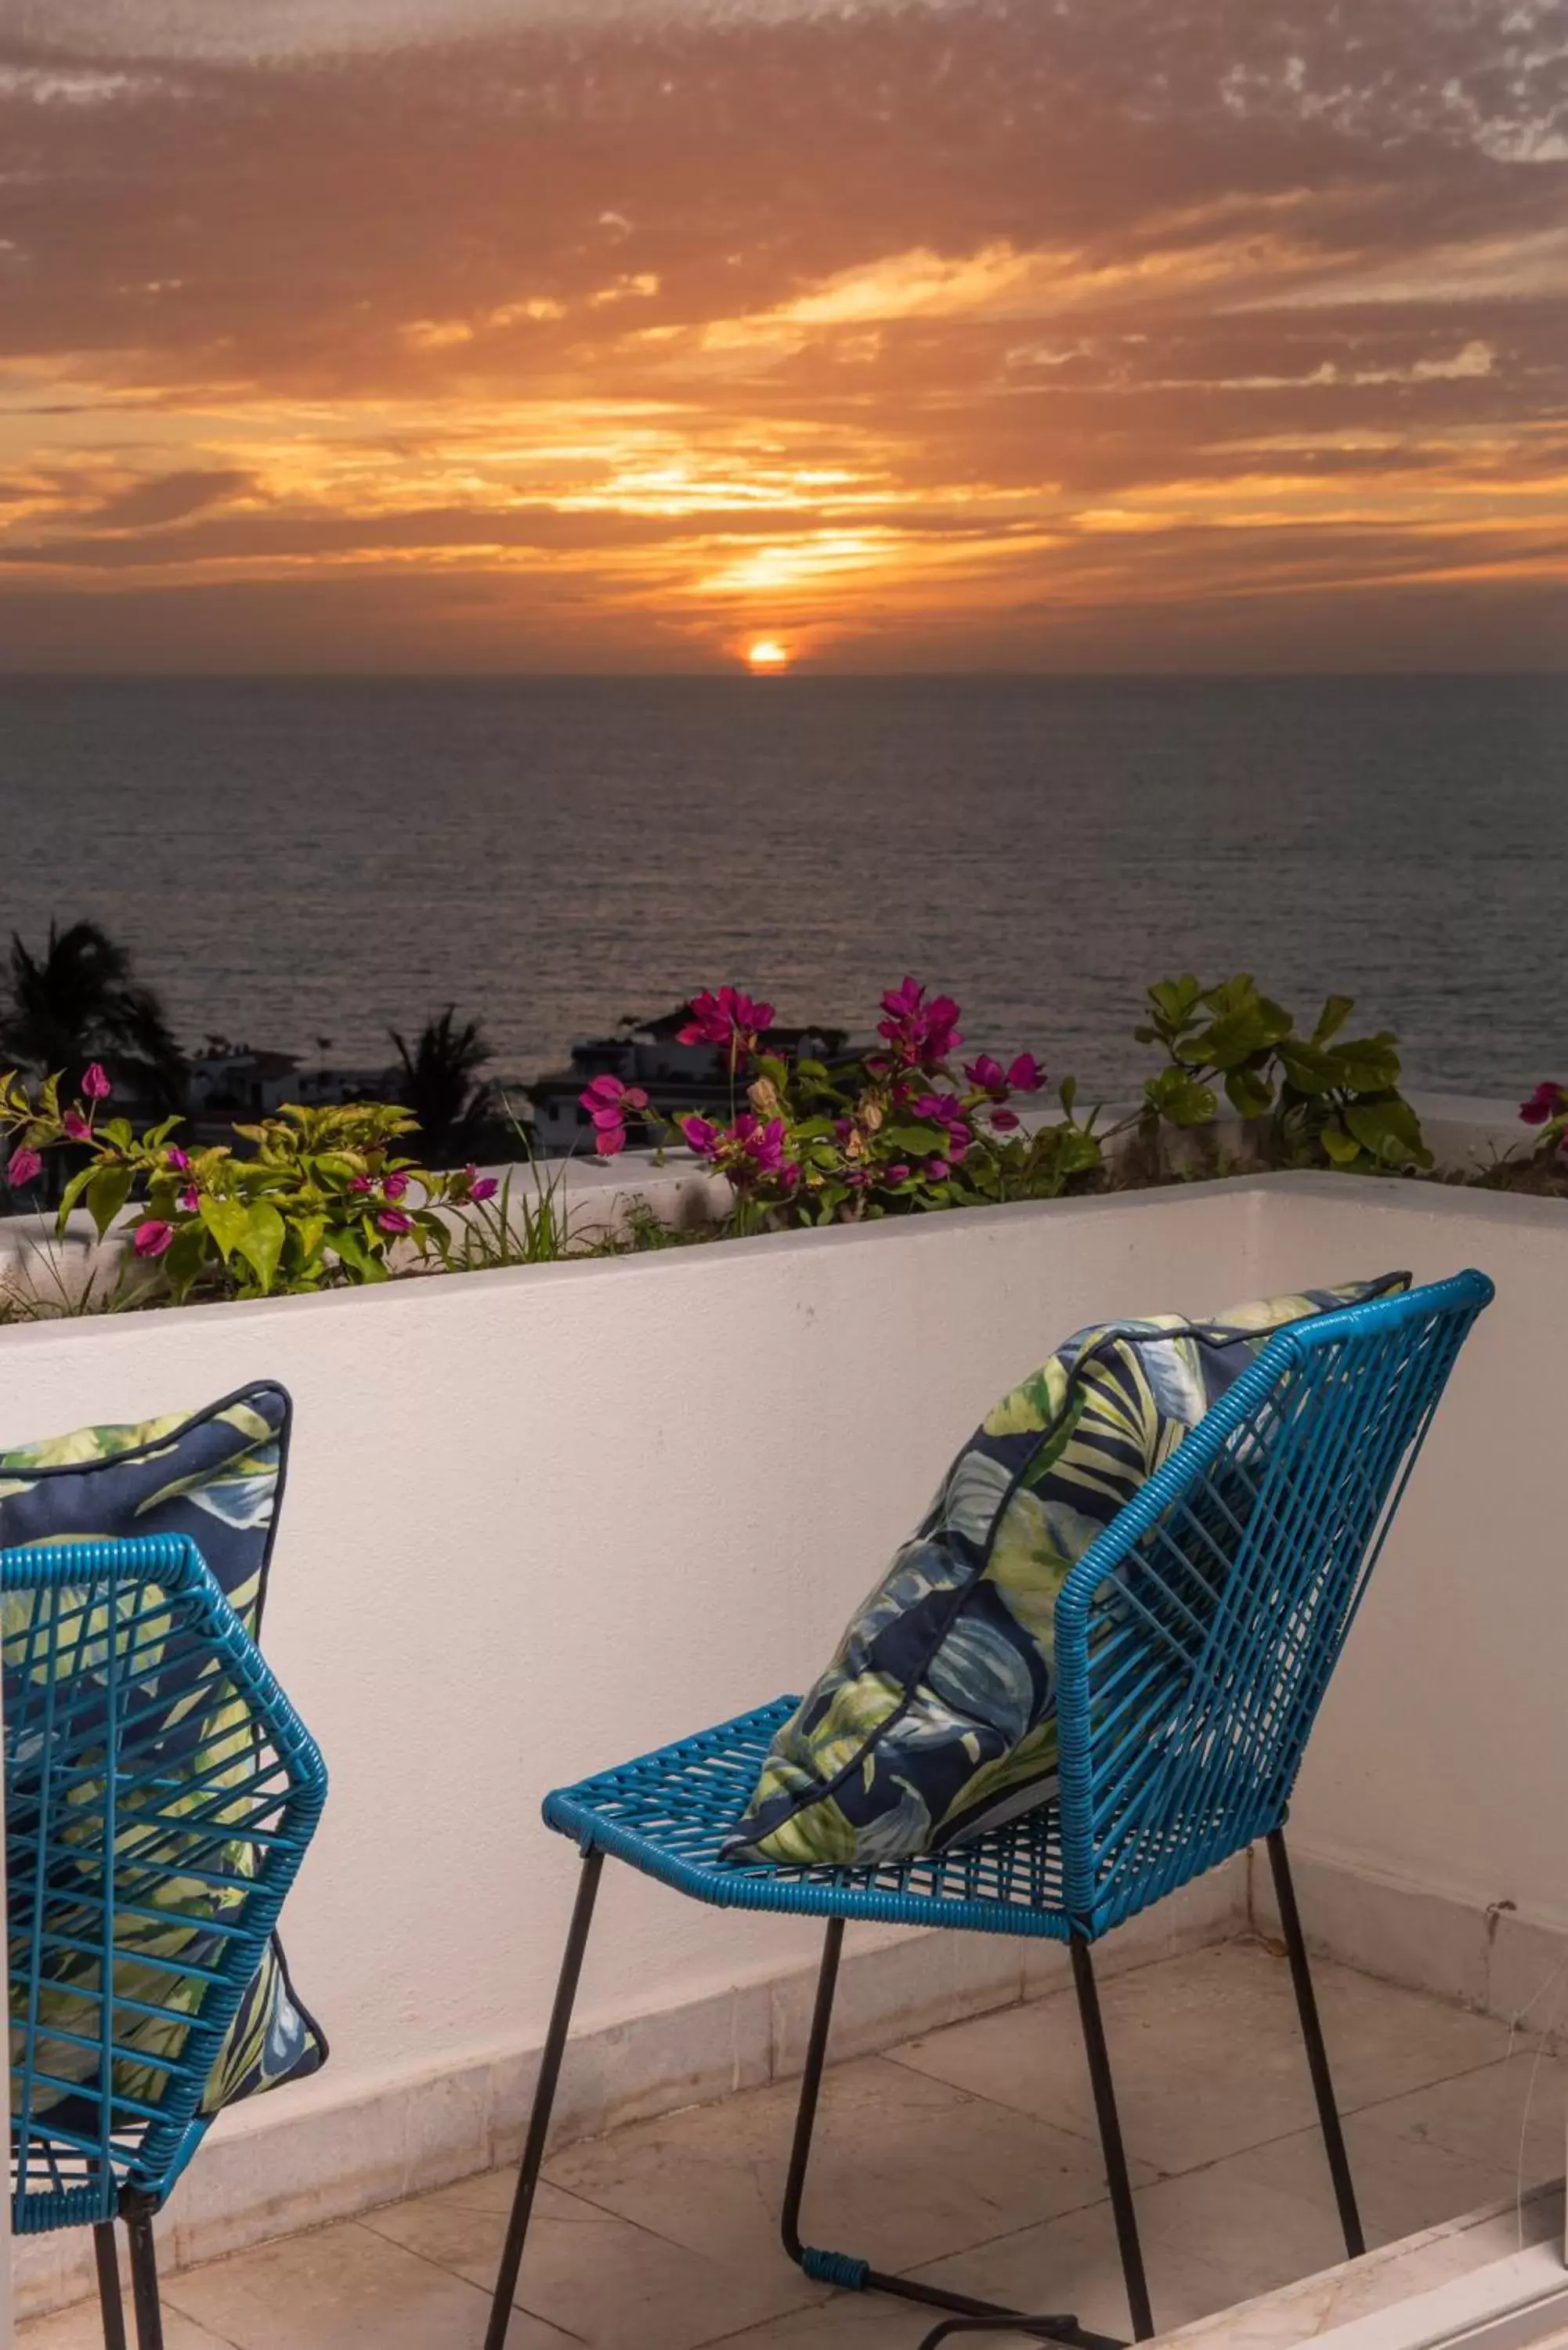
322, 1199
1314, 1100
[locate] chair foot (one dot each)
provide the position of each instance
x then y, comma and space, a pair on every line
544, 2099
1317, 2054
843, 2269
138, 2217
1034, 2329
105, 2257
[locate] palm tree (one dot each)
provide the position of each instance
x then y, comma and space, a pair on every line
80, 1002
440, 1080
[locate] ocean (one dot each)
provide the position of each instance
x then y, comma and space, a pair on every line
294, 861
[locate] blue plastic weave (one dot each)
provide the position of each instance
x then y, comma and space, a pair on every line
1194, 1642
159, 1789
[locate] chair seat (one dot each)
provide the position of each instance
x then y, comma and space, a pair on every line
668, 1814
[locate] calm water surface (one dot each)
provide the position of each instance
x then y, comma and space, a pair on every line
294, 860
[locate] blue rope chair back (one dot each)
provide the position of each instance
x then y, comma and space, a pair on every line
1196, 1638
160, 1795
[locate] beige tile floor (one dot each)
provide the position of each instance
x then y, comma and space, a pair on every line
967, 2157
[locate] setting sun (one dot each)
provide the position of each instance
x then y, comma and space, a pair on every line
767, 654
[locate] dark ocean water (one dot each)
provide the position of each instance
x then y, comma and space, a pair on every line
302, 859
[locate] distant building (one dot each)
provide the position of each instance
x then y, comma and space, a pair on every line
675, 1077
229, 1081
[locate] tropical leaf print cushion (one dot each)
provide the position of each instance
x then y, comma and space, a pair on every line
218, 1478
937, 1718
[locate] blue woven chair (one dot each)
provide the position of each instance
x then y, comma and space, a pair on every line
160, 1795
1194, 1641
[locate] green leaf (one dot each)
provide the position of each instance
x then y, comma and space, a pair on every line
351, 1251
1369, 1064
1178, 1097
73, 1192
1342, 1147
261, 1242
1307, 1069
1390, 1130
1069, 1094
185, 1256
1336, 1012
1249, 1092
227, 1220
107, 1193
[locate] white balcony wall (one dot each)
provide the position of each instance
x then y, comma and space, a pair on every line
538, 1521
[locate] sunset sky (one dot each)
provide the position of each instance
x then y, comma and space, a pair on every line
1036, 334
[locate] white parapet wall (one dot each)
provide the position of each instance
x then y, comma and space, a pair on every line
540, 1521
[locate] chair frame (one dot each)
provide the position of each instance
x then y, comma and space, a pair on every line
1182, 1727
262, 1783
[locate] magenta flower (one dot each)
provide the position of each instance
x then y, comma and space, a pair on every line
1024, 1076
938, 1169
762, 1141
152, 1237
94, 1083
606, 1101
1004, 1121
25, 1166
393, 1186
190, 1199
74, 1127
360, 1183
921, 1033
946, 1109
1544, 1103
180, 1160
730, 1020
701, 1136
899, 1173
481, 1187
392, 1220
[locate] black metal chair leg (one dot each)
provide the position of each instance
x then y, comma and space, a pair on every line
1317, 2054
856, 2275
144, 2277
105, 2255
810, 2091
544, 2099
1117, 2177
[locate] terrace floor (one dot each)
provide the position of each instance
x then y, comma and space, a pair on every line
967, 2157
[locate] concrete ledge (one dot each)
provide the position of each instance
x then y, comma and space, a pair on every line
1489, 1959
299, 2158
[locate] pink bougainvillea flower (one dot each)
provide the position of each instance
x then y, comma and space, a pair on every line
897, 1173
921, 1033
74, 1127
25, 1166
730, 1020
1004, 1121
179, 1160
761, 1140
1024, 1077
938, 1169
1544, 1103
152, 1237
360, 1183
701, 1135
946, 1109
393, 1186
607, 1100
190, 1199
480, 1187
95, 1082
392, 1220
